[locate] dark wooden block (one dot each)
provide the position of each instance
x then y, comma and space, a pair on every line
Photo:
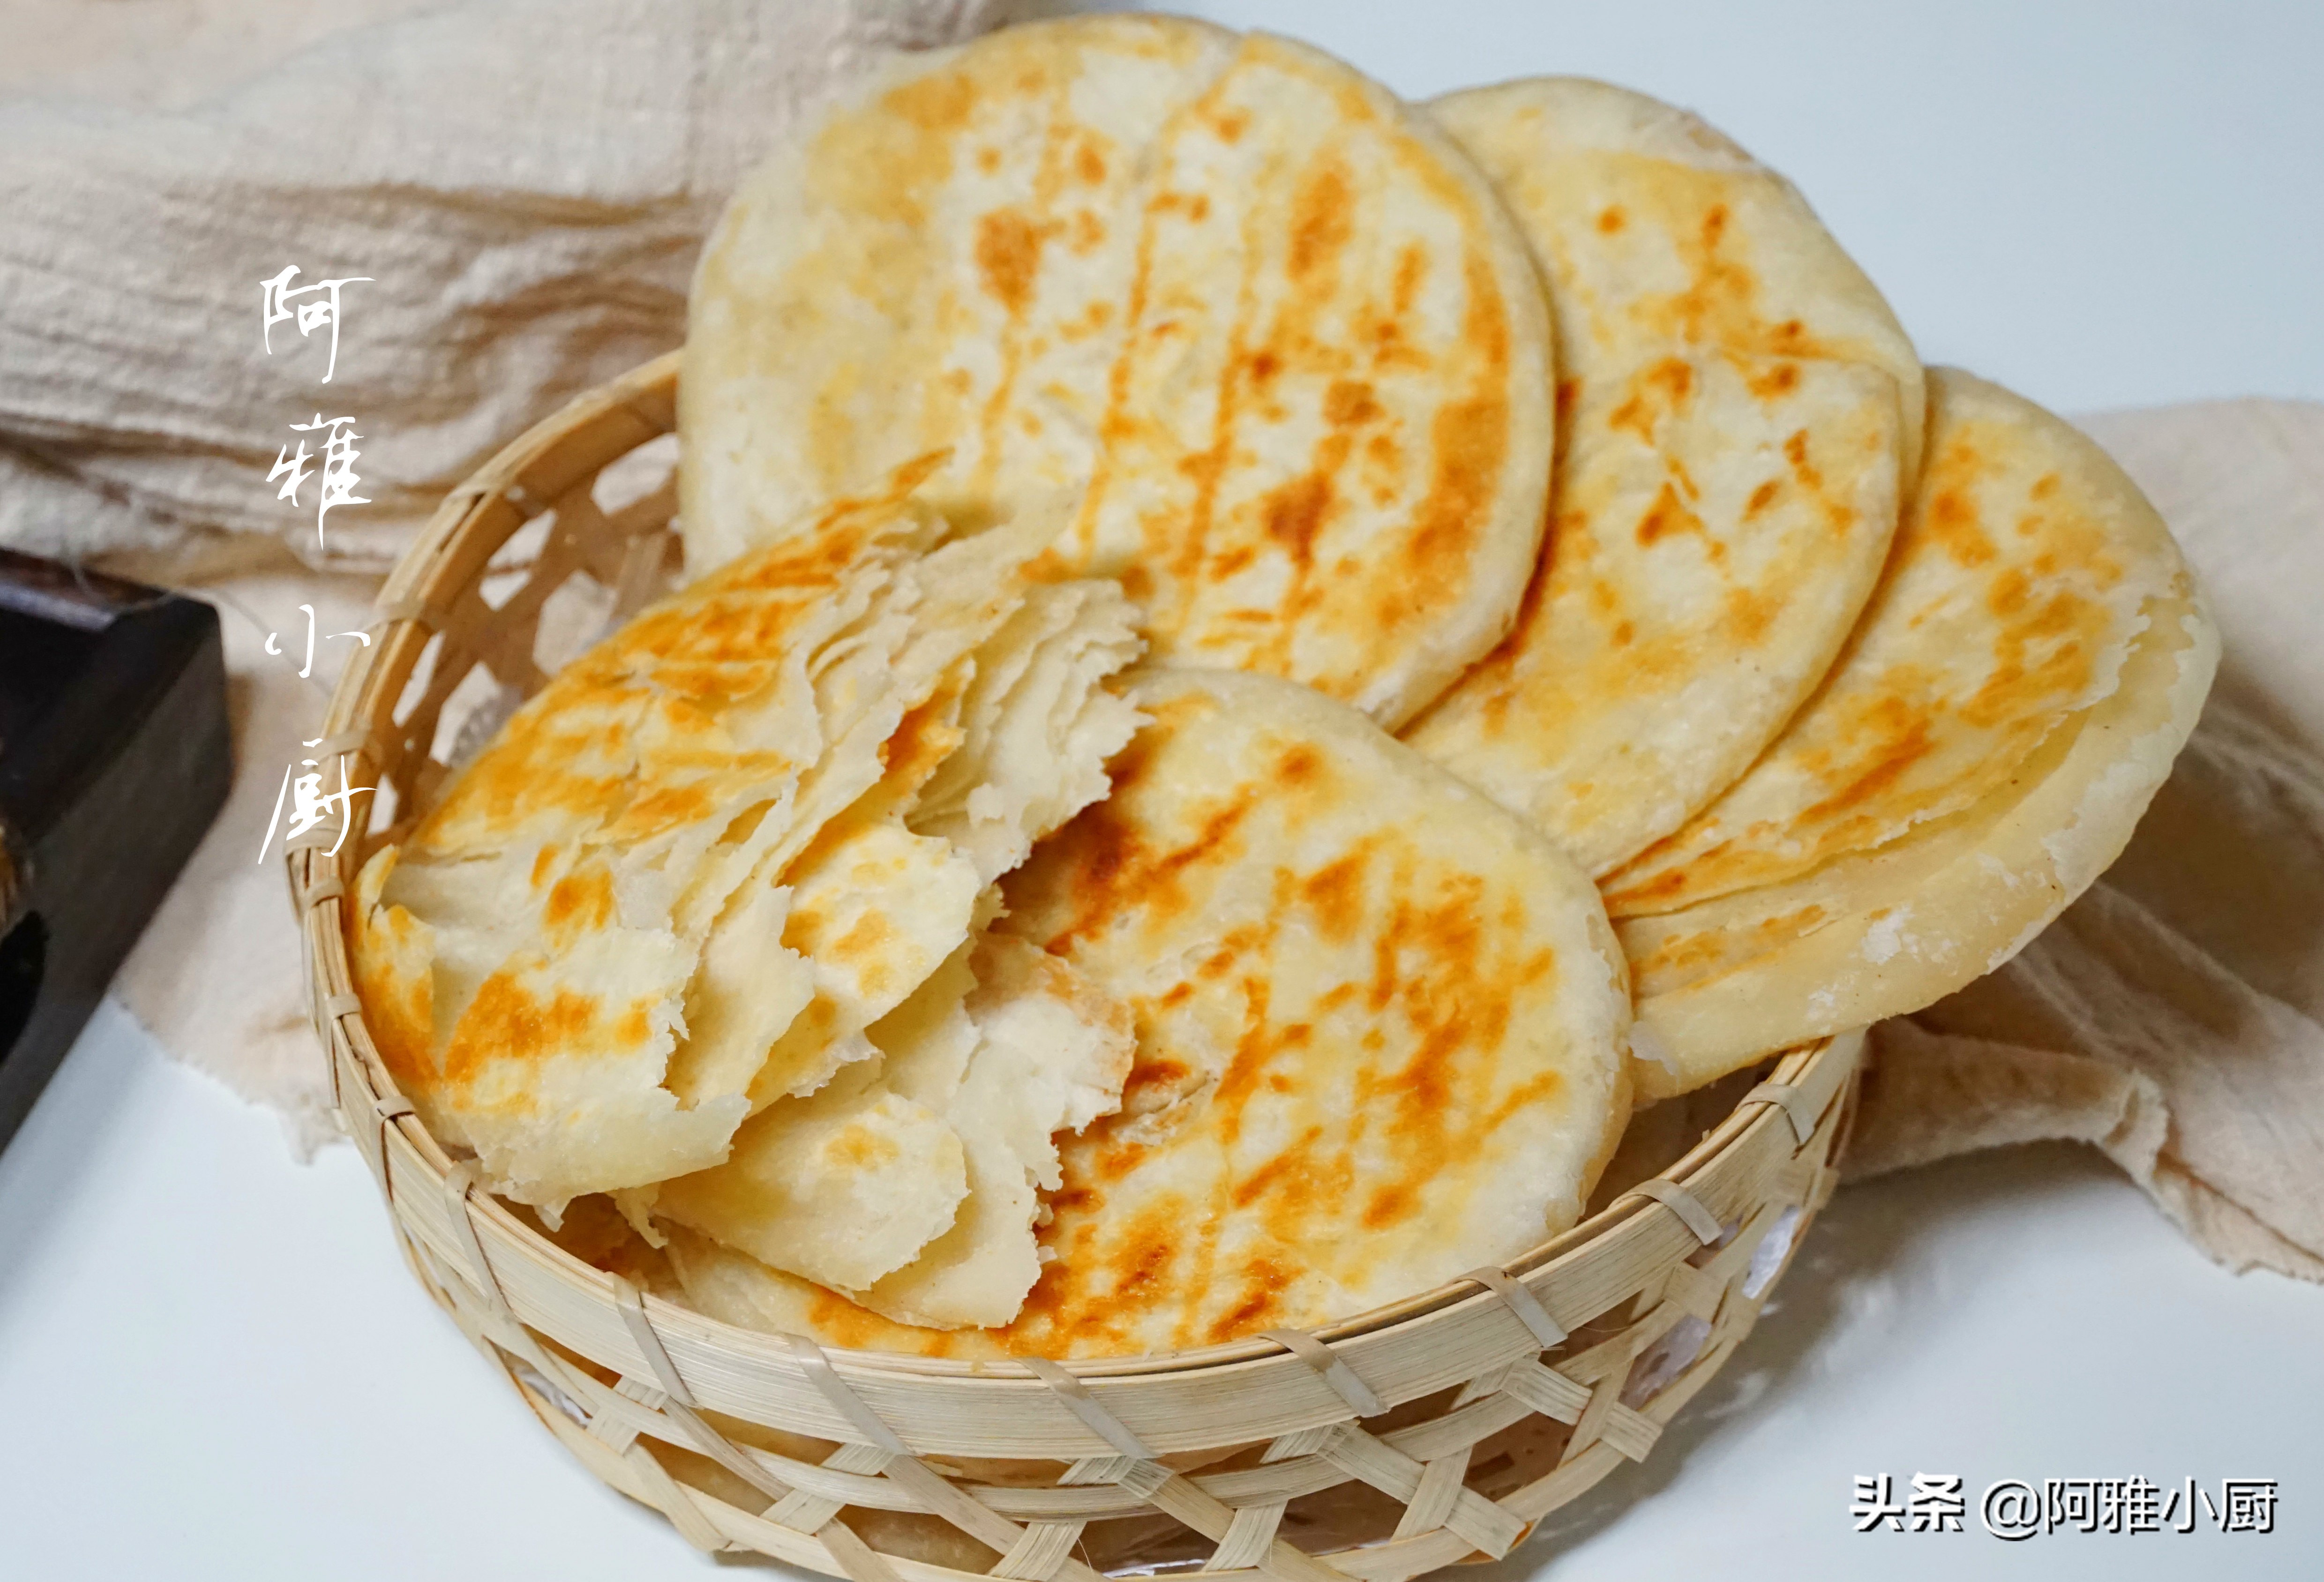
114, 757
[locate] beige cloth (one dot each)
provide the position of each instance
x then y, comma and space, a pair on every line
528, 182
2174, 1016
166, 54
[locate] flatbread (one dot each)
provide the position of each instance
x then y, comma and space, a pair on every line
840, 1187
1036, 726
899, 668
533, 945
876, 910
1977, 783
1379, 1025
551, 1073
1740, 414
1051, 1055
1329, 439
942, 260
737, 1289
885, 908
911, 1184
1269, 317
677, 887
2019, 580
748, 990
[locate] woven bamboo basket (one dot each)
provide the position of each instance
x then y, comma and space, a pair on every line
1435, 1431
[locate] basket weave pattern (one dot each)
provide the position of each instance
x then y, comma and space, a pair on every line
1382, 1447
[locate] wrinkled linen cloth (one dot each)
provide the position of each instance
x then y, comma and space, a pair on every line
528, 182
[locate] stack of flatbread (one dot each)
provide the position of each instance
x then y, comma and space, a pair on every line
1585, 654
1842, 679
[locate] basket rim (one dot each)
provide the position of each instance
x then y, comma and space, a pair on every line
527, 477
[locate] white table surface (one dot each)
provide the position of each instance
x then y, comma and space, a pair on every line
213, 1365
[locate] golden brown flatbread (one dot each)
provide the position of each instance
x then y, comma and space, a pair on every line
1738, 416
1268, 318
683, 885
2032, 661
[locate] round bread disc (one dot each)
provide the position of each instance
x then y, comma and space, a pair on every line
2032, 661
1379, 1019
1738, 413
1270, 319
